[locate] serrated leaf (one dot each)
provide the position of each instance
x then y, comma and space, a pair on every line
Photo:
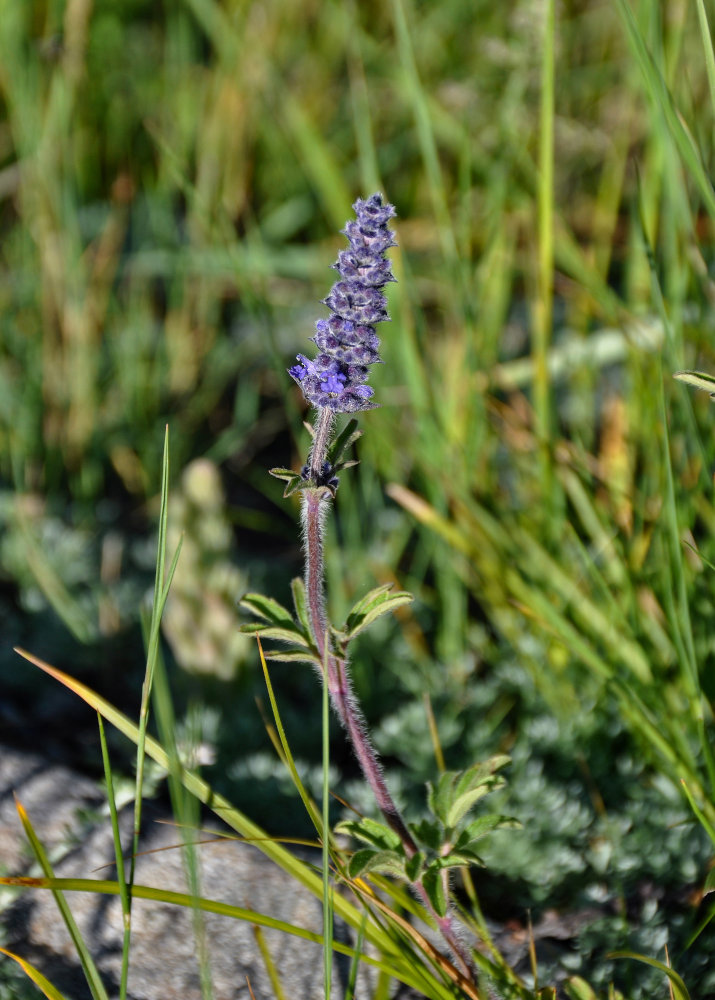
266, 607
354, 626
414, 866
300, 603
434, 887
381, 862
371, 832
428, 832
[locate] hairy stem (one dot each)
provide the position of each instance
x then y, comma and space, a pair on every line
321, 440
316, 503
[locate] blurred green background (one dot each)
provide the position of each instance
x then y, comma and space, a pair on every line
173, 179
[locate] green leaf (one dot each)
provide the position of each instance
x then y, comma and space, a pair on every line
380, 862
358, 624
463, 803
460, 859
300, 603
700, 380
414, 866
439, 796
680, 990
295, 485
293, 480
434, 887
371, 832
428, 832
43, 984
347, 437
275, 632
480, 827
292, 656
286, 474
709, 882
266, 607
359, 861
578, 989
477, 773
366, 602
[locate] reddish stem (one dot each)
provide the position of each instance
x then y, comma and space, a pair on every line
316, 503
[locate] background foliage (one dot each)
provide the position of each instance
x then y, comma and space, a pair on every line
172, 179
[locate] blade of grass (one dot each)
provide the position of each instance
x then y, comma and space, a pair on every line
152, 650
302, 873
680, 990
661, 97
425, 132
119, 860
310, 806
395, 967
185, 810
707, 48
543, 311
88, 967
50, 991
268, 962
355, 964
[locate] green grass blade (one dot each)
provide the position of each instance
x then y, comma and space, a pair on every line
707, 48
425, 132
544, 303
269, 963
702, 818
88, 967
186, 812
152, 651
50, 991
355, 964
310, 806
233, 817
661, 97
119, 860
680, 991
394, 965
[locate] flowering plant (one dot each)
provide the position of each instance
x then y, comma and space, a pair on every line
334, 382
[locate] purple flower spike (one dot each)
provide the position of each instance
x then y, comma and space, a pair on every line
347, 341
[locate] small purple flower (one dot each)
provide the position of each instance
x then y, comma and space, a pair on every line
347, 340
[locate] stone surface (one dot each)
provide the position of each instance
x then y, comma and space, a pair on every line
163, 955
